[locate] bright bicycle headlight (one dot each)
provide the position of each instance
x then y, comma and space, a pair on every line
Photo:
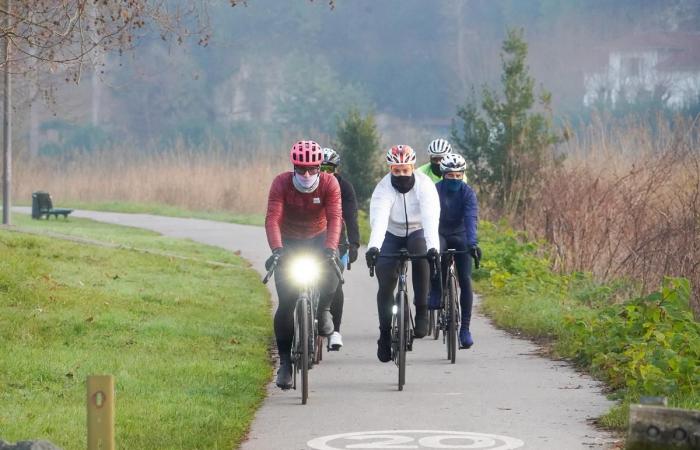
304, 270
394, 309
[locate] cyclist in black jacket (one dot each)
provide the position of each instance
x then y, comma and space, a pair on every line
349, 239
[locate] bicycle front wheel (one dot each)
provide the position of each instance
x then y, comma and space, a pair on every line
403, 342
304, 318
452, 318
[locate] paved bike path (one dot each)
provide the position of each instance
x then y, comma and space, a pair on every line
500, 391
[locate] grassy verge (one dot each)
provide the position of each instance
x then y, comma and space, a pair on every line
638, 345
166, 210
186, 340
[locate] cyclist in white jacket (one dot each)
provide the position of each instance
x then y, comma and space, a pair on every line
404, 212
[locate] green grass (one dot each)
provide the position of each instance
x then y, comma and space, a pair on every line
187, 341
166, 210
639, 345
363, 225
124, 236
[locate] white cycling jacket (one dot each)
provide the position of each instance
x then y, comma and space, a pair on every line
402, 214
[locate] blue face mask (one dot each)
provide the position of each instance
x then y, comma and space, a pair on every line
452, 185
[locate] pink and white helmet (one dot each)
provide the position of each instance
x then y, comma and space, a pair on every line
306, 153
400, 154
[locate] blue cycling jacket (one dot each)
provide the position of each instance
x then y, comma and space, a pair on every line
459, 212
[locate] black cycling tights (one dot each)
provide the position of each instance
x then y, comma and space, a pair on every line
464, 272
388, 274
337, 307
287, 292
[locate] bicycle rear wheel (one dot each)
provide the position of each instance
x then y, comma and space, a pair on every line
452, 317
402, 332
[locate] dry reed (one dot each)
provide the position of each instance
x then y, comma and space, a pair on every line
626, 205
205, 181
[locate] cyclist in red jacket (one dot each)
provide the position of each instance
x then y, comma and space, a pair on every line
303, 214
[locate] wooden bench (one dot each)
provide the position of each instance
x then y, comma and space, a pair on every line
42, 205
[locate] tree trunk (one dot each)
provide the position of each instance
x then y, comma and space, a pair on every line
34, 115
98, 62
7, 128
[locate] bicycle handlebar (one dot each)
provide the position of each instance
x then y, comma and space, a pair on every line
276, 260
451, 251
404, 255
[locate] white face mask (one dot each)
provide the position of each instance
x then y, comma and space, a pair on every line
306, 182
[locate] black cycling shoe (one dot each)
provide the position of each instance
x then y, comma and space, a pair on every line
384, 348
421, 327
284, 376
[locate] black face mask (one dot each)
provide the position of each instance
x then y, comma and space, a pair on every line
435, 168
403, 184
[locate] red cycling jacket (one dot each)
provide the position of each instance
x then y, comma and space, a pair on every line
295, 215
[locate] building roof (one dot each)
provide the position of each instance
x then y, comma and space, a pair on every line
681, 51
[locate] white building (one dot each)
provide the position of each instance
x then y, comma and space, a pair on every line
666, 64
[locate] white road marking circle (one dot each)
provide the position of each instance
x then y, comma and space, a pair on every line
417, 439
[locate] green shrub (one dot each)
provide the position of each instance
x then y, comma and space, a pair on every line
642, 345
648, 345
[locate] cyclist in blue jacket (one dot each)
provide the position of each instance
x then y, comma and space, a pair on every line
459, 213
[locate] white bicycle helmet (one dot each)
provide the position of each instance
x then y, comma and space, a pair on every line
400, 154
453, 162
330, 156
439, 147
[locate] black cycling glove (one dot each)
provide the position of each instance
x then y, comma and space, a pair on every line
276, 254
475, 251
352, 253
371, 256
433, 255
434, 261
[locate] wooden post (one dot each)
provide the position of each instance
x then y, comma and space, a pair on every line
100, 412
658, 428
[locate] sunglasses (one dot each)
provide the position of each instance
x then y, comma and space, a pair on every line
310, 170
328, 168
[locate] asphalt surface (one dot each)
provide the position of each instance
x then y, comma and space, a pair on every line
499, 395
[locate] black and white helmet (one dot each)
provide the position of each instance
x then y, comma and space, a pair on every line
330, 156
439, 147
453, 162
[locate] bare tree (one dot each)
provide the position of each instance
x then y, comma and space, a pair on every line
70, 36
